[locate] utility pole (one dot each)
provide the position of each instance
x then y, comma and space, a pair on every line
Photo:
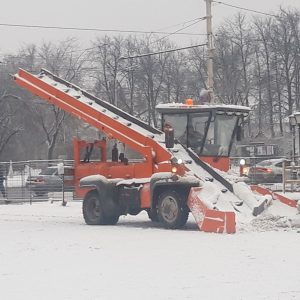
210, 51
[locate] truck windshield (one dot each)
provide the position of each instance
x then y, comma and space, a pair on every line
219, 135
189, 129
205, 133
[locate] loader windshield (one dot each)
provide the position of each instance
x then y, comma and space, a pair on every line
209, 132
219, 136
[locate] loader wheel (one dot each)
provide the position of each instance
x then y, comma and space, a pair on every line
172, 210
111, 220
152, 214
93, 211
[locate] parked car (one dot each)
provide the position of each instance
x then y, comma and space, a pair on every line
269, 171
50, 181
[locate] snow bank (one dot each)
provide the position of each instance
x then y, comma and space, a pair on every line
245, 194
209, 194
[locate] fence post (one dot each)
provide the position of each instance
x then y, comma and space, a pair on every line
283, 177
6, 186
29, 183
61, 172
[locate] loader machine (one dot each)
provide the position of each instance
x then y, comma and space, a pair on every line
181, 167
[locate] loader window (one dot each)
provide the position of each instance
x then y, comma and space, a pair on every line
189, 128
179, 123
197, 126
219, 135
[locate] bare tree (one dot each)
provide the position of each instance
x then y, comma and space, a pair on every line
264, 31
152, 75
64, 60
106, 55
8, 128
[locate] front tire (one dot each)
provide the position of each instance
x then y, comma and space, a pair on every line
93, 212
152, 214
172, 210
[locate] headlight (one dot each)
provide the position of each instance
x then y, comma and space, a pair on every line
174, 169
175, 161
242, 162
179, 161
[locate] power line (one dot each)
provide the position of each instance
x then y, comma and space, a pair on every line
162, 52
178, 24
135, 56
177, 31
246, 9
95, 29
197, 20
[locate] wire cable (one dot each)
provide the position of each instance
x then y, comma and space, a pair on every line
94, 29
178, 24
162, 52
177, 31
246, 9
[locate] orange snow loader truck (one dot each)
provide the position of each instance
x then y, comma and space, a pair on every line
174, 163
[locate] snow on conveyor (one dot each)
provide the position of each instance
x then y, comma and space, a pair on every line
93, 102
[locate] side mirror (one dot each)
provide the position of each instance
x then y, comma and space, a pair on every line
239, 133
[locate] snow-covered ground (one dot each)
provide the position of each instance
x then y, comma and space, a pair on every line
47, 252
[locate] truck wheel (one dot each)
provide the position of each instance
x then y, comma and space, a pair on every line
172, 210
93, 212
111, 220
152, 214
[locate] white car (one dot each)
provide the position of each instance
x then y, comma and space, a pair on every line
268, 171
50, 181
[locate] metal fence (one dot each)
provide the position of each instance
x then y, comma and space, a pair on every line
252, 172
31, 181
38, 180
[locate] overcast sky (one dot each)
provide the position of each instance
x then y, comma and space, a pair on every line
151, 15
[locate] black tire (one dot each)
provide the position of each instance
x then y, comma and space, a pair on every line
172, 210
93, 212
40, 193
152, 214
111, 220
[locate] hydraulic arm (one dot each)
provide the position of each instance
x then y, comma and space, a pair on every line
107, 118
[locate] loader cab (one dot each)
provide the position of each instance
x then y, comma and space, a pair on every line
209, 130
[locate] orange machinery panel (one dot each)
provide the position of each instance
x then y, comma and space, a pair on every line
210, 220
221, 163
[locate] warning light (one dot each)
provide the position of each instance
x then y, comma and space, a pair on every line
189, 102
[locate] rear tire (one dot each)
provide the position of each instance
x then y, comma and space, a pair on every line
93, 212
152, 214
172, 210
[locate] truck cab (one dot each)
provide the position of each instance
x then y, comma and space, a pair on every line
209, 130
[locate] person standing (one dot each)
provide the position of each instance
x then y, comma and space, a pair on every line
2, 178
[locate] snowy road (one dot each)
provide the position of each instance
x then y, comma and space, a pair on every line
47, 252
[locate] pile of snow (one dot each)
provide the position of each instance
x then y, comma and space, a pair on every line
245, 194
